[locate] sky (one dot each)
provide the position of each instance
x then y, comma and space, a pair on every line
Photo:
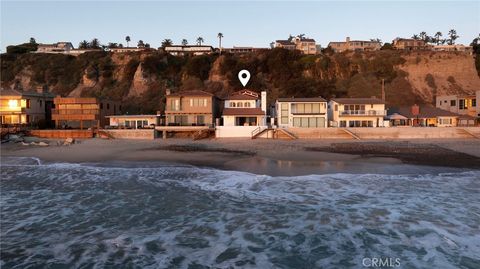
253, 23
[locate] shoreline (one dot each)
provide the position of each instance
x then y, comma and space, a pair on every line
268, 157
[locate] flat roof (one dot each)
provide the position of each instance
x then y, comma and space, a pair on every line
132, 116
302, 99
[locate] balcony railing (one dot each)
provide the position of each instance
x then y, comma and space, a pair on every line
75, 111
363, 112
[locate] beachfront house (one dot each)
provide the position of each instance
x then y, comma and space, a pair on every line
245, 108
356, 112
301, 112
80, 113
424, 116
191, 108
244, 111
460, 104
133, 121
19, 107
354, 45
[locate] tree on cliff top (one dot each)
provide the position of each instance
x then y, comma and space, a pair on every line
166, 42
200, 40
452, 34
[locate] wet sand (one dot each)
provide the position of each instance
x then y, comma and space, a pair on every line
270, 157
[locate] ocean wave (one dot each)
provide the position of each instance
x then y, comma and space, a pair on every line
161, 216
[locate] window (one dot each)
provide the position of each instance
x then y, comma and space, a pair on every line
247, 104
175, 104
232, 104
284, 113
239, 104
453, 103
108, 106
198, 102
461, 104
200, 120
101, 105
28, 103
343, 123
474, 102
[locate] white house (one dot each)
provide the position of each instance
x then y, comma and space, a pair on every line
301, 112
188, 49
244, 111
356, 112
59, 47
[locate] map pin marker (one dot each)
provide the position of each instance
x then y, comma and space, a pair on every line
244, 77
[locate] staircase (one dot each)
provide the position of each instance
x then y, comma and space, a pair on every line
259, 131
276, 133
284, 134
351, 134
104, 134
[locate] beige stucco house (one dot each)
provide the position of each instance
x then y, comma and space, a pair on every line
191, 108
356, 112
354, 45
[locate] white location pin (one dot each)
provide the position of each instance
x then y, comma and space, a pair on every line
244, 77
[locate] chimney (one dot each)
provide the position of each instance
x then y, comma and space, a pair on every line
348, 39
415, 110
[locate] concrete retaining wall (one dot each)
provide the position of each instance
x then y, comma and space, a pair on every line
235, 131
132, 134
388, 133
62, 133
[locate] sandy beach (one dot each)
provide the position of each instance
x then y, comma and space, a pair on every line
270, 157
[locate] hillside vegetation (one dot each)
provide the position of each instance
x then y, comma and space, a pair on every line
140, 79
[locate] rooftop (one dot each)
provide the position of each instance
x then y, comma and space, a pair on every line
243, 95
190, 93
424, 112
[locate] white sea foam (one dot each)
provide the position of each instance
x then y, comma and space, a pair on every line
179, 216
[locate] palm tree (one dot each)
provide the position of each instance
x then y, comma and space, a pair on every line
200, 40
437, 36
95, 43
220, 36
112, 45
147, 45
184, 42
83, 45
453, 36
166, 42
140, 44
423, 36
127, 38
32, 40
415, 37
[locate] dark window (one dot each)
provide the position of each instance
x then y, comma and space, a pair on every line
40, 103
461, 104
108, 106
453, 103
101, 105
474, 102
28, 103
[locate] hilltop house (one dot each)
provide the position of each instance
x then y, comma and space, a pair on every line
188, 49
354, 45
409, 44
191, 108
59, 47
454, 47
305, 45
242, 50
356, 112
24, 107
301, 112
128, 49
82, 113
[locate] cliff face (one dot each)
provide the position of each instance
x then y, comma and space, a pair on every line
441, 73
140, 79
